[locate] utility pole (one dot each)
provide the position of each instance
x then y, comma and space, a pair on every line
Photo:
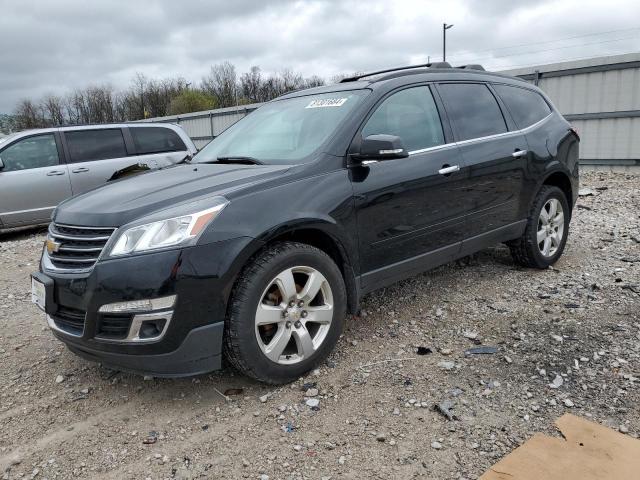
445, 27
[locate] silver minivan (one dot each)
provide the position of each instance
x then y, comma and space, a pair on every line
40, 168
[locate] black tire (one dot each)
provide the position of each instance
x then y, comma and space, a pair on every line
241, 345
525, 250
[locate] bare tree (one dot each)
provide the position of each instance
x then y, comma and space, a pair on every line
156, 98
222, 84
28, 115
314, 81
53, 107
158, 95
250, 83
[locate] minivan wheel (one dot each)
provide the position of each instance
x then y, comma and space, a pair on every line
286, 313
545, 235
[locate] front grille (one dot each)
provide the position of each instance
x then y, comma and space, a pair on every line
78, 247
113, 327
69, 320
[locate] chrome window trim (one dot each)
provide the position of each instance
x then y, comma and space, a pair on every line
431, 149
482, 139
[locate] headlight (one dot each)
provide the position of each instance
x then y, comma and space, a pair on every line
166, 233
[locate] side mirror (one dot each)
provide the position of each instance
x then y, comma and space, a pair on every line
381, 147
1, 164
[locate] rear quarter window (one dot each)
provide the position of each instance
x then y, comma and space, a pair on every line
526, 106
156, 140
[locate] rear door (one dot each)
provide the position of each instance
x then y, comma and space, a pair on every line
531, 113
94, 156
495, 157
33, 181
157, 146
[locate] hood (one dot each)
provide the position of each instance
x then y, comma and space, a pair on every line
123, 201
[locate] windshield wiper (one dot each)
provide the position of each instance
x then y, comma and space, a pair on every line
238, 159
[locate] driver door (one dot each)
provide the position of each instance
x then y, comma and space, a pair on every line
410, 211
33, 180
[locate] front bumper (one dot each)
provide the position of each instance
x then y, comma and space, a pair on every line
200, 277
200, 352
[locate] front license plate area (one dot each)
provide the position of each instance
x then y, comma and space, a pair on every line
38, 293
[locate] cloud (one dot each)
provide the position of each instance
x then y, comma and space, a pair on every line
53, 47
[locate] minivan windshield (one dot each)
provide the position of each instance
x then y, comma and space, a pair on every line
283, 131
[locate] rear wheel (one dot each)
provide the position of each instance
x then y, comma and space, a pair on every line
286, 313
545, 235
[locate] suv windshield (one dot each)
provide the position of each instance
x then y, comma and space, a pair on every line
284, 131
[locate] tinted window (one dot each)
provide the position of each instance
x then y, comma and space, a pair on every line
410, 114
88, 145
156, 139
32, 152
473, 110
526, 107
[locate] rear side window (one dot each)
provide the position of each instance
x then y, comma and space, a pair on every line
526, 107
472, 109
156, 140
88, 145
410, 114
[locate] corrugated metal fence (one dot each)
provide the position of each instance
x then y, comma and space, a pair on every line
601, 98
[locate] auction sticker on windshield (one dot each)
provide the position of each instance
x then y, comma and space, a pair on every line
326, 102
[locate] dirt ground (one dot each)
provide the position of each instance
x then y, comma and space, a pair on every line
575, 327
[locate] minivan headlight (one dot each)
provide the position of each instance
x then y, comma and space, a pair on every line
165, 233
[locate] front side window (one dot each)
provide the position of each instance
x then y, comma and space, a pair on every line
89, 145
156, 140
284, 131
472, 109
526, 107
410, 114
32, 152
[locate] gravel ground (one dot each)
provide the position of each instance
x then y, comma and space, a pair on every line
567, 340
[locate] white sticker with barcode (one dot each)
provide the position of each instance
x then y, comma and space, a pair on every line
326, 102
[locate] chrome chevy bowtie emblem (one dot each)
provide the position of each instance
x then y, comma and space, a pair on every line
52, 246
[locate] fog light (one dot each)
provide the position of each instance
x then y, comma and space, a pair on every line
146, 305
152, 328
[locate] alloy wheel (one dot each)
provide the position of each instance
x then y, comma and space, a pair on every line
294, 315
550, 227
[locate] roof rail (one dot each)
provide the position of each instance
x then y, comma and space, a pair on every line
424, 65
472, 66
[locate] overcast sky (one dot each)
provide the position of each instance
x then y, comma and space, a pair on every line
54, 46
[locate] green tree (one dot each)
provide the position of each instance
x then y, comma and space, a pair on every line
191, 101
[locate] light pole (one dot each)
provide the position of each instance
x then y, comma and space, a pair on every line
445, 27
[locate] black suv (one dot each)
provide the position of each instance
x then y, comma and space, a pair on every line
257, 248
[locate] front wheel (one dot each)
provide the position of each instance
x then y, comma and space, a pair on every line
545, 235
286, 313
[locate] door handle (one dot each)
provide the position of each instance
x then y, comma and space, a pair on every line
519, 153
80, 170
446, 170
55, 172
